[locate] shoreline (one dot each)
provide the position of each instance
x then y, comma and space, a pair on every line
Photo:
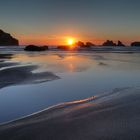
96, 49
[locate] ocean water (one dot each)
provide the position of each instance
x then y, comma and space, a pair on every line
33, 81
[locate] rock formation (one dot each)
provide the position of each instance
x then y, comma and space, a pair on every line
120, 43
7, 40
89, 45
84, 45
135, 44
63, 47
36, 48
109, 43
80, 44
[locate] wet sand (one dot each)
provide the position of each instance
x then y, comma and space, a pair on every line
14, 73
6, 56
110, 116
23, 75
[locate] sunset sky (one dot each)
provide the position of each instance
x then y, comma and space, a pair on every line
53, 21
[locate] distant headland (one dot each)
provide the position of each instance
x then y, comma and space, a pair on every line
7, 40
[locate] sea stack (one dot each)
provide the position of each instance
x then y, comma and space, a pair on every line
7, 40
120, 44
109, 43
36, 48
137, 44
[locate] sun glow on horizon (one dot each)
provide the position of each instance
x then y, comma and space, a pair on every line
70, 41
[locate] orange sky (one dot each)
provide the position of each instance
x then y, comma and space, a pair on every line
62, 40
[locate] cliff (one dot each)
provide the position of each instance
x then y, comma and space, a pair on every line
7, 40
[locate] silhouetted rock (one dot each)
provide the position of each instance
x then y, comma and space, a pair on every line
89, 45
63, 47
80, 44
109, 43
135, 44
36, 48
83, 45
7, 40
120, 43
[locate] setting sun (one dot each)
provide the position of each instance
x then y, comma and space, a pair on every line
70, 41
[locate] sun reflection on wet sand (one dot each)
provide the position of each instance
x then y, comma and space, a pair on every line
79, 104
57, 62
69, 62
71, 67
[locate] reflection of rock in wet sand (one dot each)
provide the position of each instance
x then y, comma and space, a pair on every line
6, 56
3, 58
23, 75
112, 116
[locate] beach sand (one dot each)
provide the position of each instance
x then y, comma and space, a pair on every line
15, 73
111, 116
23, 75
6, 56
